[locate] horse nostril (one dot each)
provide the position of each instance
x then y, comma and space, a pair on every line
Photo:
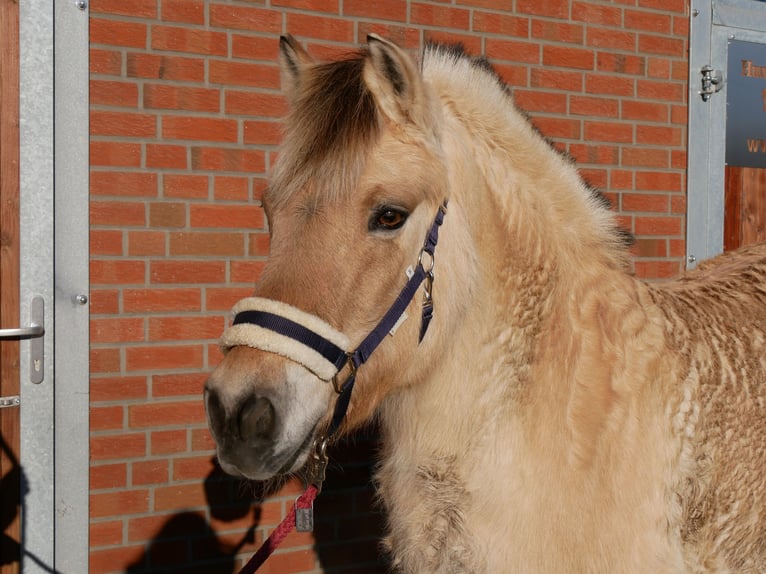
215, 412
257, 419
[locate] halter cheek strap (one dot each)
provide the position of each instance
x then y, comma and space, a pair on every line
279, 328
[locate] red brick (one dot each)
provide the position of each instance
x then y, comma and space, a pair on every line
440, 16
609, 85
119, 503
645, 157
117, 388
246, 271
122, 124
104, 301
117, 330
254, 48
161, 300
147, 472
201, 440
165, 442
645, 111
262, 133
658, 225
224, 298
244, 74
678, 6
166, 156
504, 24
594, 154
194, 272
228, 159
132, 8
659, 23
658, 181
405, 36
123, 184
143, 243
117, 213
106, 418
556, 79
658, 135
665, 91
551, 8
165, 67
513, 50
117, 33
321, 28
652, 44
105, 242
621, 179
199, 128
115, 154
611, 39
642, 202
185, 186
189, 40
553, 31
534, 101
620, 63
470, 42
104, 360
568, 57
183, 243
596, 14
169, 97
187, 11
192, 468
107, 62
113, 93
153, 357
594, 106
231, 188
608, 132
395, 10
230, 216
144, 528
117, 446
556, 127
185, 384
105, 272
253, 19
185, 328
258, 244
645, 247
179, 496
105, 533
168, 214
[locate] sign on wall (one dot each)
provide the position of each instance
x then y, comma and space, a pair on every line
746, 105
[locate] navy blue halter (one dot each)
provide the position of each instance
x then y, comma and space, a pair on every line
343, 359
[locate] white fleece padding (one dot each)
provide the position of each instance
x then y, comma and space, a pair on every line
266, 340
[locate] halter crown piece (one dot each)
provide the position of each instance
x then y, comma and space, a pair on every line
277, 327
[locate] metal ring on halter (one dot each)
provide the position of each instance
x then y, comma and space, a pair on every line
336, 384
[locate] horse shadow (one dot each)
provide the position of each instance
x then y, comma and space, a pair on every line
348, 524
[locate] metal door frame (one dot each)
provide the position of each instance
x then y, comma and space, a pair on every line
713, 24
53, 167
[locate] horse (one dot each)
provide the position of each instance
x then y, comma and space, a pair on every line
558, 414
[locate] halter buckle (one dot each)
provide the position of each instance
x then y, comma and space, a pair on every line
336, 379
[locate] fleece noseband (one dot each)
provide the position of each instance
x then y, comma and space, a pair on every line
279, 328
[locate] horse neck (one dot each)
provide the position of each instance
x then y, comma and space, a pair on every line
538, 246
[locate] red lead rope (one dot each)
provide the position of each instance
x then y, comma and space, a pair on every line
305, 501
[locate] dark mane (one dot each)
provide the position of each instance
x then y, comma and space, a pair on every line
334, 115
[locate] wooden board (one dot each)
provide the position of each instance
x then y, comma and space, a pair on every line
745, 207
10, 471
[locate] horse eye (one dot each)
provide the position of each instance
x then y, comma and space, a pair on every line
388, 219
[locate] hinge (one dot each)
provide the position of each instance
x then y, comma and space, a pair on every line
712, 82
6, 402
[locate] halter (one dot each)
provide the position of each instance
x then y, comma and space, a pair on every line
275, 327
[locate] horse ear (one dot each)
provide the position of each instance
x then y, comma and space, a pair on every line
293, 60
394, 81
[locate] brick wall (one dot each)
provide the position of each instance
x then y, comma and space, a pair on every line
185, 109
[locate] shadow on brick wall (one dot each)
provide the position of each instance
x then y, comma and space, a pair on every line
348, 522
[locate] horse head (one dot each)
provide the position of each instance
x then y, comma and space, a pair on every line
359, 180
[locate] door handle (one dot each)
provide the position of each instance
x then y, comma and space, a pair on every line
31, 332
35, 332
